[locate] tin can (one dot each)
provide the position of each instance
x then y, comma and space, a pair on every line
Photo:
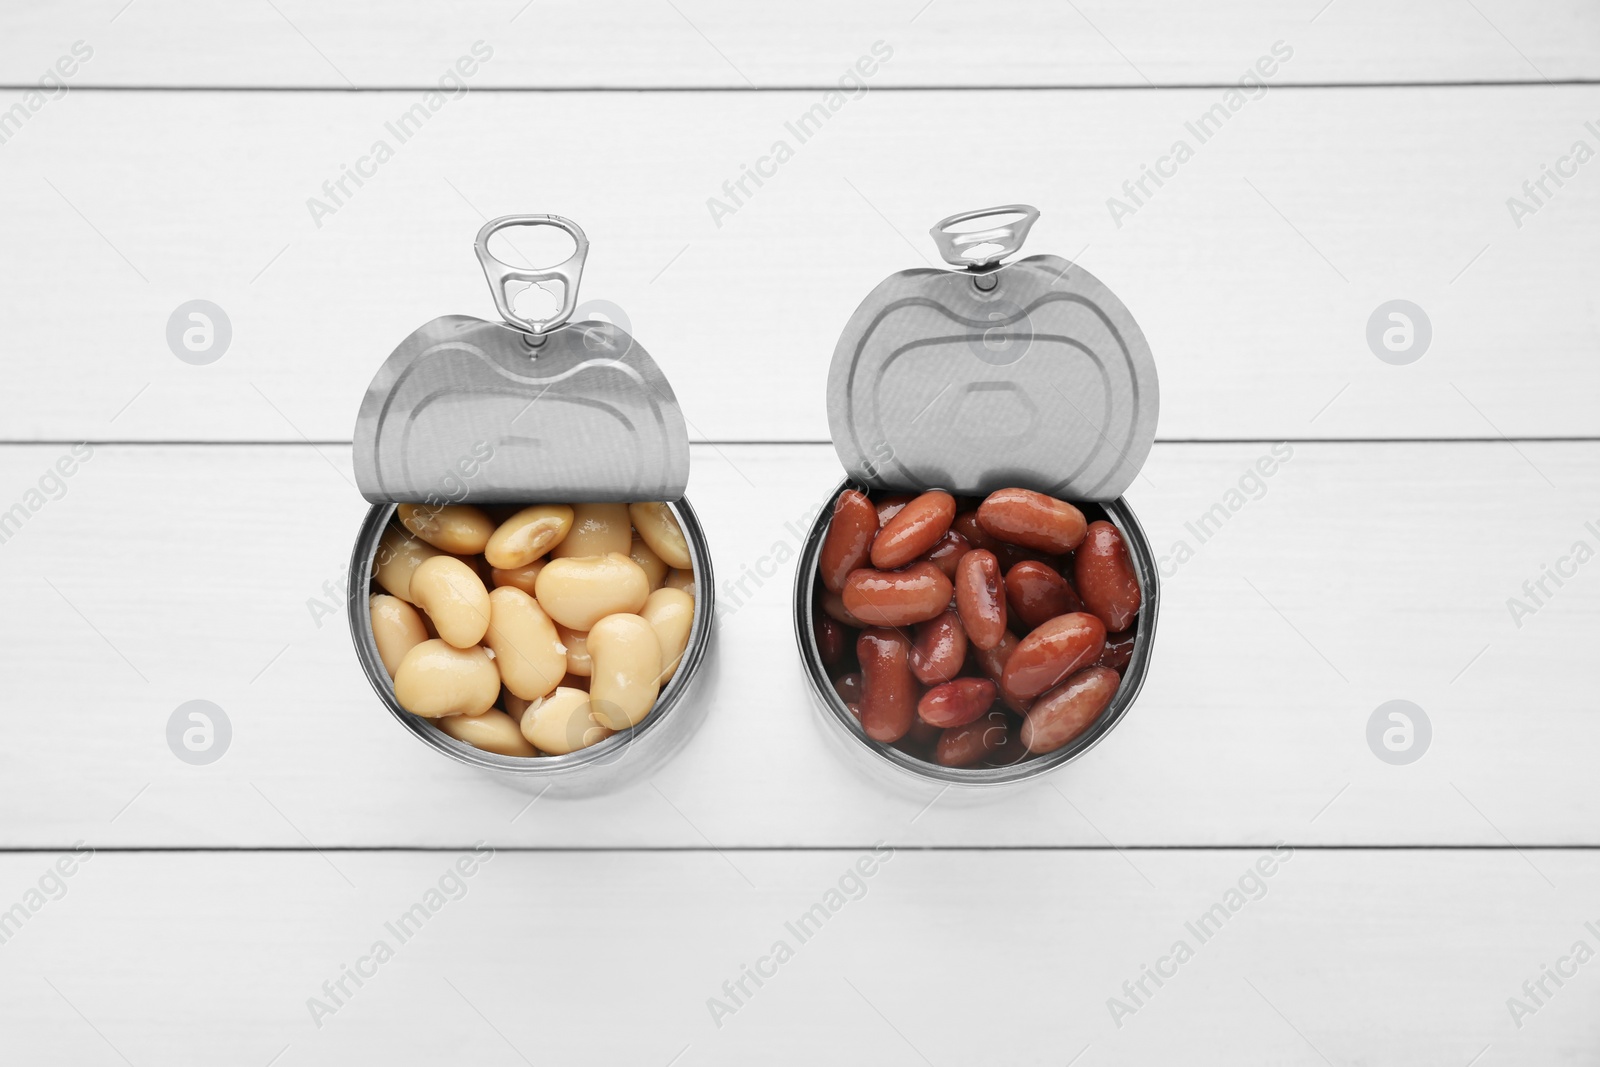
1030, 374
522, 412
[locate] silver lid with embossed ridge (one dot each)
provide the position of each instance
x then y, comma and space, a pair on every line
535, 409
1031, 373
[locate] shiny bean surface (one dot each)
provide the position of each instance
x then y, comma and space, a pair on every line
897, 598
913, 530
1053, 651
562, 723
576, 643
1033, 520
660, 530
527, 535
971, 530
1105, 576
493, 731
963, 746
832, 605
848, 543
579, 591
527, 650
523, 578
888, 688
1037, 593
627, 669
597, 530
655, 568
830, 638
1118, 651
436, 679
396, 629
680, 579
848, 686
455, 599
1068, 710
670, 612
980, 598
992, 662
939, 649
459, 529
398, 557
889, 506
947, 552
956, 702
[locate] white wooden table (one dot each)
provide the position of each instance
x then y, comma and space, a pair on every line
213, 912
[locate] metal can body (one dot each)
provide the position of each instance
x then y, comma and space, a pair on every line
891, 765
624, 758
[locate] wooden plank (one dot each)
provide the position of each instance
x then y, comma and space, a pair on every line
1354, 575
719, 43
196, 958
1254, 273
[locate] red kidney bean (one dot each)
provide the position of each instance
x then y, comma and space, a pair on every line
1011, 555
992, 662
888, 688
922, 735
963, 746
1033, 520
848, 542
888, 507
913, 530
1069, 709
1036, 594
854, 709
897, 598
967, 525
939, 649
957, 702
1105, 577
848, 686
947, 552
1119, 650
832, 605
1053, 651
980, 598
830, 638
1013, 751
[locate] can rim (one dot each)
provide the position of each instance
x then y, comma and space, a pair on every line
607, 753
832, 707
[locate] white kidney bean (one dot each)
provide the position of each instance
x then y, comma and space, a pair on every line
454, 598
654, 567
399, 555
577, 644
526, 647
680, 579
527, 535
658, 527
493, 731
562, 723
397, 628
670, 612
436, 679
522, 578
597, 529
579, 591
515, 706
627, 670
459, 529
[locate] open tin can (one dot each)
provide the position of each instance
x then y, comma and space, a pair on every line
524, 412
1030, 375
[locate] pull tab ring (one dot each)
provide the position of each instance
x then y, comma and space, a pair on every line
977, 249
502, 276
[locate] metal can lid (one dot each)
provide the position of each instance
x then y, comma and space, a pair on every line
1031, 373
466, 410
